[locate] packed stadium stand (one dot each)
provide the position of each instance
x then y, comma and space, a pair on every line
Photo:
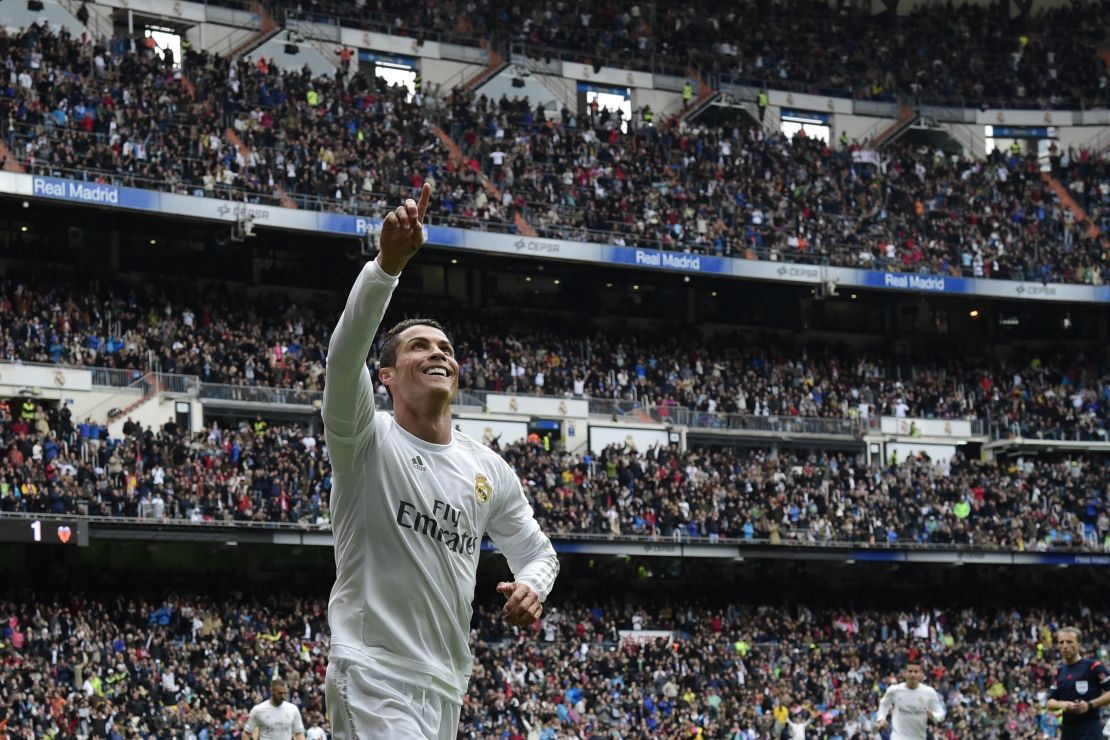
266, 340
966, 53
790, 319
242, 129
187, 664
54, 464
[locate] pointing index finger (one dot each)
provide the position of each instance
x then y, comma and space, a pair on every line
422, 206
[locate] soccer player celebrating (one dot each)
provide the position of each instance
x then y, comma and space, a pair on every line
411, 499
912, 704
1080, 688
275, 719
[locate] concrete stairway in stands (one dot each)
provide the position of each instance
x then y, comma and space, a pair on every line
283, 197
522, 226
1070, 203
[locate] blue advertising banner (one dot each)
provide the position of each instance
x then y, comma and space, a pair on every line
916, 282
879, 556
341, 223
93, 193
679, 261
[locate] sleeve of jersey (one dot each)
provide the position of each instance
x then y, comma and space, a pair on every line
513, 528
1102, 673
348, 390
298, 723
937, 711
252, 721
885, 705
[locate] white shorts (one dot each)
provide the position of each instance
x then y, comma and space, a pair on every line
364, 704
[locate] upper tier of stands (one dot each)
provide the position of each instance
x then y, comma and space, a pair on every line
967, 55
248, 131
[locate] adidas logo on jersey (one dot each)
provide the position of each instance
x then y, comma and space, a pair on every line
418, 463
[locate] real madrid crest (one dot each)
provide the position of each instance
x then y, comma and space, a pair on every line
482, 488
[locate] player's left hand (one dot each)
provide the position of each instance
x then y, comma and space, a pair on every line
522, 604
402, 233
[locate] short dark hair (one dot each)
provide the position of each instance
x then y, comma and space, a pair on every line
388, 356
1074, 630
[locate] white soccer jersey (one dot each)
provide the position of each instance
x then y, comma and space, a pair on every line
275, 723
912, 709
408, 518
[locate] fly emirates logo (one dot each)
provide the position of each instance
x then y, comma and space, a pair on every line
442, 525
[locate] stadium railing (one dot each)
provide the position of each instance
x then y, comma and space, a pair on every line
1013, 431
106, 377
615, 409
260, 394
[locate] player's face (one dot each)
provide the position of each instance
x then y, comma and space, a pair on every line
1069, 646
278, 694
425, 365
914, 675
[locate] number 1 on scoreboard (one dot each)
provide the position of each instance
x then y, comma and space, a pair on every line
36, 529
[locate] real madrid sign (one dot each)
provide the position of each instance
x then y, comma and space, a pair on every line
538, 406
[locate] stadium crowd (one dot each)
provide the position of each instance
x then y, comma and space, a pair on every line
813, 497
191, 666
961, 53
239, 338
739, 192
228, 128
256, 472
84, 110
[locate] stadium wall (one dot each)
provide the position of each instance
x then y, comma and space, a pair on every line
154, 413
15, 16
96, 404
447, 72
216, 38
482, 427
639, 437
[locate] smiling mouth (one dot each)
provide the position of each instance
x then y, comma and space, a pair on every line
438, 372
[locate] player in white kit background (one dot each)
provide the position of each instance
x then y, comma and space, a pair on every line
411, 500
275, 719
911, 705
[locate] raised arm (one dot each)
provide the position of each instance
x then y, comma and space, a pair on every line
348, 390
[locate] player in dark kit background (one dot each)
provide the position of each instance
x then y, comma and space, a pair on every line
1081, 687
